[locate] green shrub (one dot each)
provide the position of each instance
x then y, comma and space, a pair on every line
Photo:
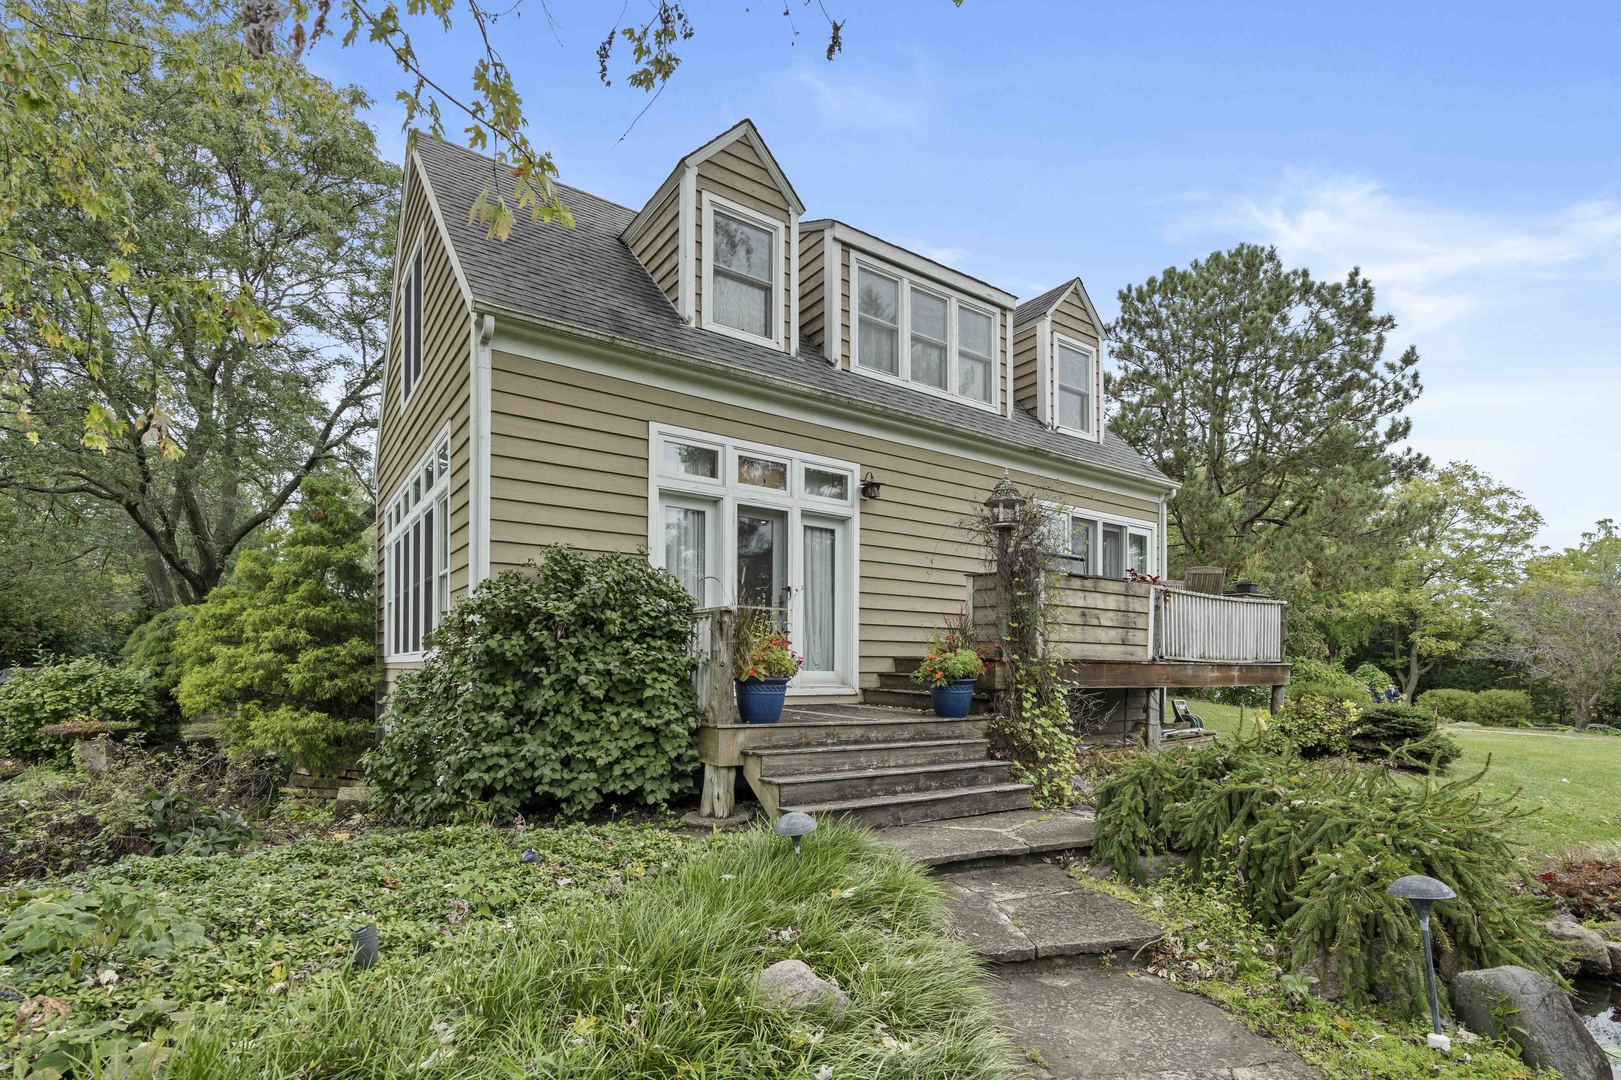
1455, 706
151, 646
1506, 708
1317, 678
88, 688
1402, 735
285, 656
1372, 675
1312, 727
570, 685
1312, 847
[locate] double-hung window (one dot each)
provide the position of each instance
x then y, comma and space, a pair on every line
416, 554
1098, 547
743, 268
1077, 368
923, 336
411, 327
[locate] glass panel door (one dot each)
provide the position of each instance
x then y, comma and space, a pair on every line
821, 598
1137, 551
1114, 552
762, 578
686, 546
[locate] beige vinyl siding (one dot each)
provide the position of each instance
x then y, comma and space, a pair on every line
1070, 319
812, 293
737, 175
1025, 380
657, 245
439, 397
569, 465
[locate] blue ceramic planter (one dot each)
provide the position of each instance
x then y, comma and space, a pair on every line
759, 701
954, 699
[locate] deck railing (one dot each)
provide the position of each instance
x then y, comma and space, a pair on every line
1204, 628
711, 646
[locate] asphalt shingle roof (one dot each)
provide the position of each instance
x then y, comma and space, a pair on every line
1042, 304
587, 278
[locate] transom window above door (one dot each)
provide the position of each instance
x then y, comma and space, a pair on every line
922, 335
742, 272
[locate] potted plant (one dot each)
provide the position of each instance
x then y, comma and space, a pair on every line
765, 660
950, 671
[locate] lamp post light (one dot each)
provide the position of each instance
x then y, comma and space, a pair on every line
794, 826
1422, 892
1003, 504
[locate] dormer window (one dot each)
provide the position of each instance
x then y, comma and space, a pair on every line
1077, 367
742, 272
924, 336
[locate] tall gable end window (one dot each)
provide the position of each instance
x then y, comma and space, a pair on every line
1077, 368
920, 335
742, 273
416, 554
411, 327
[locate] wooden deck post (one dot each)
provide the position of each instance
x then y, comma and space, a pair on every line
1277, 699
719, 796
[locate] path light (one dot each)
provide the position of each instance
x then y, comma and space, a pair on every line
1421, 892
794, 826
1003, 503
365, 940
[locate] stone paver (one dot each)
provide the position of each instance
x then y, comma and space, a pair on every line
1087, 1023
1008, 914
1009, 834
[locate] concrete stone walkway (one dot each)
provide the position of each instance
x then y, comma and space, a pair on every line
1073, 1013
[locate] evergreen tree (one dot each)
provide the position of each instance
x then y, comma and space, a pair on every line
284, 655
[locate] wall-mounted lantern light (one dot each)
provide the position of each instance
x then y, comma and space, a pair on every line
1422, 892
870, 487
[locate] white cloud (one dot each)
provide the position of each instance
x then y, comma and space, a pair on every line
856, 104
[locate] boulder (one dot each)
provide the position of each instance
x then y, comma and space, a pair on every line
1150, 868
793, 984
96, 755
1614, 949
1588, 956
352, 801
1537, 1016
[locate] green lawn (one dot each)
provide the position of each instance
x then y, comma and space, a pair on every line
1569, 779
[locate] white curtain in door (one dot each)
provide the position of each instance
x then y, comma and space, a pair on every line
684, 548
821, 592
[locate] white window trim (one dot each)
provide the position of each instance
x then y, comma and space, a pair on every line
1096, 352
392, 530
778, 229
903, 360
726, 495
417, 252
1094, 557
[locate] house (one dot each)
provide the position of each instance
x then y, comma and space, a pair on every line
783, 411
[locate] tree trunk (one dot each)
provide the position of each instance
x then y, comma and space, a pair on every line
1409, 688
1584, 711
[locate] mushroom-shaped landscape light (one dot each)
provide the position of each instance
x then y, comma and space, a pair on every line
1421, 892
794, 826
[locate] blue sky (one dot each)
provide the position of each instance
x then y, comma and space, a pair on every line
1466, 155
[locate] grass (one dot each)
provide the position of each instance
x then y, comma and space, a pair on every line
1569, 779
1211, 947
659, 983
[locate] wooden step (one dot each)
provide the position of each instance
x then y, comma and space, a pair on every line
912, 696
893, 728
923, 805
791, 761
871, 783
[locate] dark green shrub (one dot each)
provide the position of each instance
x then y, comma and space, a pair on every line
1372, 675
284, 656
1316, 678
88, 688
1403, 735
151, 646
1312, 847
569, 685
1312, 727
1505, 708
1456, 706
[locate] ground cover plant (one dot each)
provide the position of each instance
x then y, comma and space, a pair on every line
660, 984
1312, 846
569, 684
129, 950
1568, 779
1212, 946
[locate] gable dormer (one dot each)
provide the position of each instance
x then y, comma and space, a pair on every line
721, 238
1058, 360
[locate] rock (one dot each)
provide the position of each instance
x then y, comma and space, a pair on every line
1538, 1017
792, 983
351, 801
1327, 987
1614, 949
1588, 956
1611, 931
96, 755
1150, 868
